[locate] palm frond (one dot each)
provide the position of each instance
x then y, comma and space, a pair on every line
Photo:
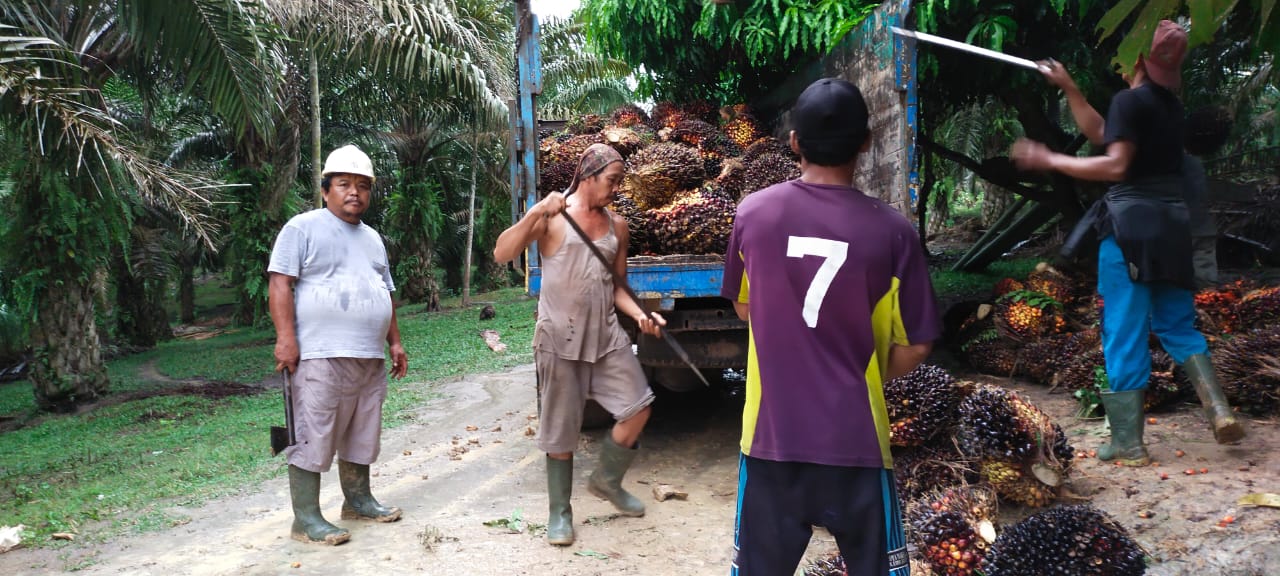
201, 146
59, 117
229, 48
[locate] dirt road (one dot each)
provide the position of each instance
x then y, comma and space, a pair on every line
450, 480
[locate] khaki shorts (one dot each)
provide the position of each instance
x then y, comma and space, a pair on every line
615, 381
337, 407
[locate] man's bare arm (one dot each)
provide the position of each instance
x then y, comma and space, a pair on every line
280, 304
904, 359
531, 228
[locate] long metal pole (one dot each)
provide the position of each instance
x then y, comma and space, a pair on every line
969, 48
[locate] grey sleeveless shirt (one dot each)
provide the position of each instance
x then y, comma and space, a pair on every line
576, 316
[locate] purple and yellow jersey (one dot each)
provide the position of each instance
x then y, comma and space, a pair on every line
832, 278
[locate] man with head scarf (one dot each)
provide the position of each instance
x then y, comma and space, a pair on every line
580, 348
1146, 275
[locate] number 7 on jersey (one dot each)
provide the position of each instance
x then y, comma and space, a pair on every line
833, 255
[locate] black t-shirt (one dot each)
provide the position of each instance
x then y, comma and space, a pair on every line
1150, 117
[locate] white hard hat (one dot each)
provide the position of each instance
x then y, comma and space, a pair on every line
348, 160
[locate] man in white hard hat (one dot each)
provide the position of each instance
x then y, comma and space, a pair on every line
330, 300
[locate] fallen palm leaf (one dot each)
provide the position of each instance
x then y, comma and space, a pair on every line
1268, 499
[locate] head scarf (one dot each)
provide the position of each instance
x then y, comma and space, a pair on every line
593, 161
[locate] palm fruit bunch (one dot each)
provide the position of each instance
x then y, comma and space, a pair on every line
556, 176
766, 170
732, 177
1022, 453
1216, 310
1040, 361
628, 115
688, 131
1081, 354
958, 316
585, 124
1259, 308
988, 353
702, 110
743, 129
656, 173
830, 566
637, 225
978, 322
559, 160
662, 111
1249, 366
696, 222
765, 145
1049, 281
568, 149
715, 150
1015, 485
998, 424
1066, 541
921, 469
712, 146
953, 527
1166, 386
625, 140
1028, 316
1005, 286
921, 404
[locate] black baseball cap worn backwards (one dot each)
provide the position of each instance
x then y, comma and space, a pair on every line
830, 113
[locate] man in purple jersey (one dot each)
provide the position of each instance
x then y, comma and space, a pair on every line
835, 288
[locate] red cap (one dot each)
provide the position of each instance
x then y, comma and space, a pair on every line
1168, 48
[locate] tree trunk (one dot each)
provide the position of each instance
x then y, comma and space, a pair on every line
471, 222
419, 283
187, 292
995, 200
140, 315
68, 368
316, 168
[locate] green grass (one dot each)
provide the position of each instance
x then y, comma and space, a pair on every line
951, 285
122, 467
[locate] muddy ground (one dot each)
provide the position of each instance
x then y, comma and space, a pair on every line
468, 459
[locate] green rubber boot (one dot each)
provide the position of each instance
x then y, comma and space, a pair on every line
308, 524
1226, 427
559, 489
1124, 413
606, 481
360, 504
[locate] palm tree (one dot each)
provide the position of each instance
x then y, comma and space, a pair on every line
80, 163
577, 80
434, 46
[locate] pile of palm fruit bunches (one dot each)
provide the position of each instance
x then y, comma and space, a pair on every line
1044, 329
687, 168
961, 448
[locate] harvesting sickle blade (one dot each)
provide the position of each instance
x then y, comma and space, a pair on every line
969, 48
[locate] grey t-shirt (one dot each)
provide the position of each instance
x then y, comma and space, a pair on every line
342, 299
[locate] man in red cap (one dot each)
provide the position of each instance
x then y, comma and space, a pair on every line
1145, 272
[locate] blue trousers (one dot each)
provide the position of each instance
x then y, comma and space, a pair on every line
1132, 311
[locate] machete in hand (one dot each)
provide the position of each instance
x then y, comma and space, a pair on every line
617, 281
